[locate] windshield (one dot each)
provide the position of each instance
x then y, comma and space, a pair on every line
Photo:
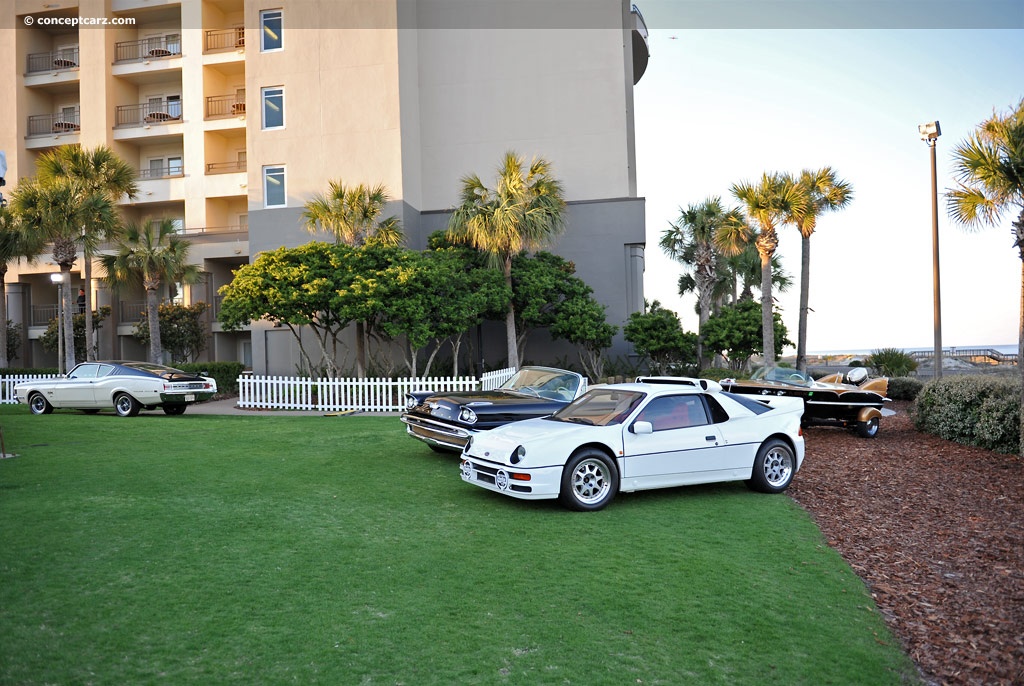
782, 375
600, 407
544, 383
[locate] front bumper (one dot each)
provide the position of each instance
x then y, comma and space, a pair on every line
540, 483
436, 433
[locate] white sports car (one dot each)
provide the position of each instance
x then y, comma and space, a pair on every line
637, 436
125, 387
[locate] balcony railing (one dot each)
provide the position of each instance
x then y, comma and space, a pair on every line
131, 311
217, 40
219, 106
46, 124
42, 315
163, 112
225, 167
154, 47
161, 172
234, 228
65, 58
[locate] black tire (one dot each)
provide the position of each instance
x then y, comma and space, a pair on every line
774, 467
38, 404
590, 480
126, 406
174, 409
868, 429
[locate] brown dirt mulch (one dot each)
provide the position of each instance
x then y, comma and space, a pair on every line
936, 531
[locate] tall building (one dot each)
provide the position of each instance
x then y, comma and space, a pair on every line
236, 112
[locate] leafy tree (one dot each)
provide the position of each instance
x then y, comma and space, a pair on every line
148, 256
823, 192
523, 212
692, 241
657, 334
15, 244
13, 340
97, 170
768, 204
50, 340
295, 287
55, 211
989, 170
541, 283
352, 215
735, 333
581, 321
182, 333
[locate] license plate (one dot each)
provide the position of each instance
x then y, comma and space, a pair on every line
190, 397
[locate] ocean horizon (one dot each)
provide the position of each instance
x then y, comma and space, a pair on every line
1005, 349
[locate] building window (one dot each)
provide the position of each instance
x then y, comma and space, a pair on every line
270, 30
273, 187
273, 108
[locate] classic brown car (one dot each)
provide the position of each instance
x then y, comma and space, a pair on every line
848, 399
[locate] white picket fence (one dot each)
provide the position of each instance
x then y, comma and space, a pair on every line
365, 395
8, 383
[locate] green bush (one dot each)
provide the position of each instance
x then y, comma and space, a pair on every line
981, 411
891, 362
716, 374
224, 373
904, 388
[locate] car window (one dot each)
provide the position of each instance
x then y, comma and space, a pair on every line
600, 407
103, 370
674, 412
718, 413
83, 371
755, 406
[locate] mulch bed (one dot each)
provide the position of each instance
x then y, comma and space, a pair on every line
936, 531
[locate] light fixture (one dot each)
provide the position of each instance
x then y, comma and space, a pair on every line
57, 278
929, 131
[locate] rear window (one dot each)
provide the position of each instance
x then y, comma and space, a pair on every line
749, 402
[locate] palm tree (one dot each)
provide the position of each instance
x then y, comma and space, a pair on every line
691, 240
823, 193
98, 170
768, 205
989, 169
523, 211
15, 244
148, 256
55, 212
352, 214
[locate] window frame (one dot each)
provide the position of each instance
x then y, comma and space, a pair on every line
266, 173
271, 14
267, 95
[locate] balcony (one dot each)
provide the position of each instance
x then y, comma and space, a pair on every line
222, 106
154, 112
169, 172
68, 121
641, 49
221, 40
57, 60
155, 47
42, 315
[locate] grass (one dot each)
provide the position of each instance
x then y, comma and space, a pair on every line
312, 550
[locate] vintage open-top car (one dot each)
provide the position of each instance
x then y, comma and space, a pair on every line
632, 437
847, 399
445, 421
125, 387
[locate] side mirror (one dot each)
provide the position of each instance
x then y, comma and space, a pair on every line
643, 428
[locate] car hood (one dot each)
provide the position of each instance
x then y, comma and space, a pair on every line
479, 398
536, 435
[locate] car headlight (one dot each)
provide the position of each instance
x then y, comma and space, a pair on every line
517, 455
467, 415
410, 401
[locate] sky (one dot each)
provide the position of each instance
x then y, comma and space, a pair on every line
721, 105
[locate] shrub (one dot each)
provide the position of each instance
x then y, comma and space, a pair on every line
980, 411
891, 362
717, 374
904, 388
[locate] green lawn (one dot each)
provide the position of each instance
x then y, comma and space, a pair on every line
336, 550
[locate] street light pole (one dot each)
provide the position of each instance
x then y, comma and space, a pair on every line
59, 280
929, 134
